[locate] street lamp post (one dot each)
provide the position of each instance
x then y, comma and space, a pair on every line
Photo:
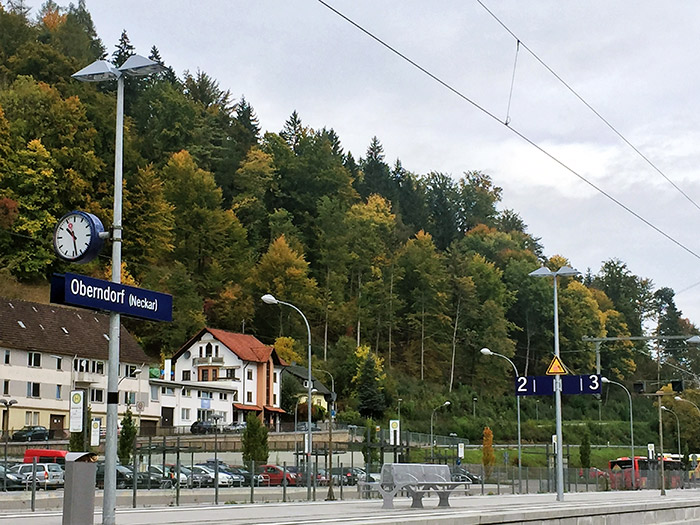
399, 418
629, 396
8, 403
546, 272
216, 418
99, 71
679, 398
330, 496
678, 429
432, 451
270, 299
474, 400
486, 351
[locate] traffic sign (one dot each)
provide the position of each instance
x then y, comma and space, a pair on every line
544, 385
556, 367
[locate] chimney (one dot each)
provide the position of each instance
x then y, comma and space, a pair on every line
167, 370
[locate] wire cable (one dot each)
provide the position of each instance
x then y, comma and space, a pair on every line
511, 128
585, 103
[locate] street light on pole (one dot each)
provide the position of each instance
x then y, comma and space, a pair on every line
432, 452
678, 430
546, 272
270, 299
629, 396
331, 495
679, 398
486, 351
100, 71
8, 403
216, 418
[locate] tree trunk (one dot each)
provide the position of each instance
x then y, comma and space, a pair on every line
454, 343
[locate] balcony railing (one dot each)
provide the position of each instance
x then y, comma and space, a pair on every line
199, 361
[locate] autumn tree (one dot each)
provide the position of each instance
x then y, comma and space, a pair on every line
488, 458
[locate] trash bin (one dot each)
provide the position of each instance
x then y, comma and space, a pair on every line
79, 488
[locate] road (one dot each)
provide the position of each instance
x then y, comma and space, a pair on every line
681, 506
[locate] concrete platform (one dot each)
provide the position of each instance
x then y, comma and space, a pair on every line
600, 508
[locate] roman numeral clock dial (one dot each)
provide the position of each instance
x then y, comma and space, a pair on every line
77, 237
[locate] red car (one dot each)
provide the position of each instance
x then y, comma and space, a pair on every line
274, 475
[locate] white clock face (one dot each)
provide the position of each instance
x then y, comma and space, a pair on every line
73, 236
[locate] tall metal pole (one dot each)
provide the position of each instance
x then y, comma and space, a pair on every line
629, 396
557, 402
110, 491
661, 448
330, 496
6, 427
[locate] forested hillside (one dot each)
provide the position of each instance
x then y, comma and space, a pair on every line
418, 270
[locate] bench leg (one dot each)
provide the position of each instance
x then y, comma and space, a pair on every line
387, 500
444, 499
417, 500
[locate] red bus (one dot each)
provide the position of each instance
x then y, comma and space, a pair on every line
647, 474
45, 455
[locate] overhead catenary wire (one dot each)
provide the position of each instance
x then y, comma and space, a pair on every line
589, 106
461, 95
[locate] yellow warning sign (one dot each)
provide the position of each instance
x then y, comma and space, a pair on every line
556, 368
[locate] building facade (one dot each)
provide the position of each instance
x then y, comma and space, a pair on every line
48, 350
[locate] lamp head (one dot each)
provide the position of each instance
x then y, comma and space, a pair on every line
694, 339
446, 403
268, 298
664, 408
604, 380
98, 71
138, 66
567, 271
679, 398
486, 351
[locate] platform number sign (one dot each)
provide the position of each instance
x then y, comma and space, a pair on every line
544, 385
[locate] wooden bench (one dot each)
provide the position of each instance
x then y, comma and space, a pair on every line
417, 480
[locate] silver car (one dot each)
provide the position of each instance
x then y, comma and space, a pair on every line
48, 475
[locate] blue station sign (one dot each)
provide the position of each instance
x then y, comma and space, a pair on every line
98, 294
544, 385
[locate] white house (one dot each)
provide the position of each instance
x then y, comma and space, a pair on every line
222, 373
48, 350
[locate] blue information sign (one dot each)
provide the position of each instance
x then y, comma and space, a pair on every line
97, 294
544, 385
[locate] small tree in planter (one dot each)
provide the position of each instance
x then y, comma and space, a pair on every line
488, 458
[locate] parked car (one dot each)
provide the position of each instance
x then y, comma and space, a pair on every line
10, 480
48, 475
247, 475
169, 473
198, 478
304, 425
31, 433
238, 479
235, 427
125, 477
225, 480
344, 475
275, 475
462, 474
202, 427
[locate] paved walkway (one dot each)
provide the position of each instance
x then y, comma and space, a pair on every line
464, 510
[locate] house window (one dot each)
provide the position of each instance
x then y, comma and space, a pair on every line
98, 367
209, 349
59, 363
186, 374
214, 375
231, 374
34, 359
216, 351
58, 391
7, 357
97, 395
204, 394
205, 375
130, 370
154, 393
33, 389
185, 414
274, 399
249, 397
223, 396
249, 375
80, 365
6, 387
274, 377
187, 392
129, 398
31, 418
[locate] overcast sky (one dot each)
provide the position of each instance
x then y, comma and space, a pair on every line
635, 62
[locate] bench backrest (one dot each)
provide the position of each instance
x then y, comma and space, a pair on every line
398, 473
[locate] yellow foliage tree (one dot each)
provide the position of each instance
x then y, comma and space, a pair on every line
488, 458
284, 346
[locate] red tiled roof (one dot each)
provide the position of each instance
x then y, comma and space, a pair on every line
275, 409
62, 330
245, 346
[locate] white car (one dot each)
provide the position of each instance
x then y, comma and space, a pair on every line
169, 472
225, 480
48, 475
